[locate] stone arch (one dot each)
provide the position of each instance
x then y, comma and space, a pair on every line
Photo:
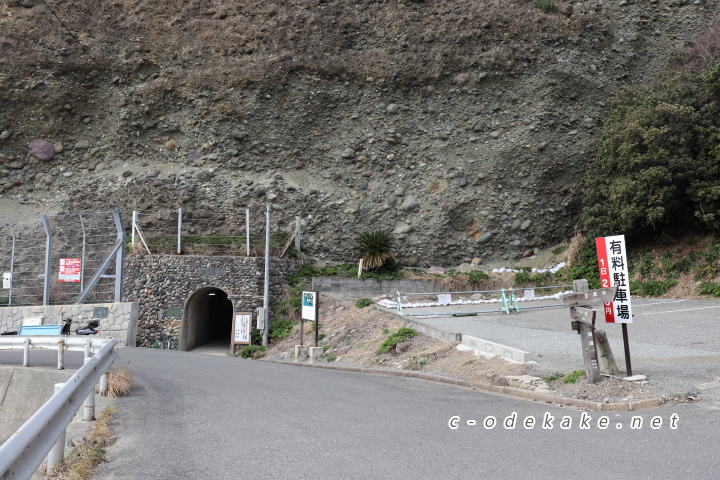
207, 318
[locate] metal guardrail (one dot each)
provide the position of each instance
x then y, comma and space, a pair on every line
24, 451
89, 345
507, 302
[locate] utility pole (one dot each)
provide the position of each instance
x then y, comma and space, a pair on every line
266, 294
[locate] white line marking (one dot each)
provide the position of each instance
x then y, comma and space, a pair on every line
657, 304
685, 310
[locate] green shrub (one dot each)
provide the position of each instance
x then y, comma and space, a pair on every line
651, 288
477, 276
542, 279
522, 277
390, 271
709, 288
252, 351
585, 266
280, 328
560, 249
574, 376
363, 302
658, 159
396, 338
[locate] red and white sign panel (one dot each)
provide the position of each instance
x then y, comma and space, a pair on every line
70, 270
612, 260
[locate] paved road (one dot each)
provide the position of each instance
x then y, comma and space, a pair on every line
675, 342
201, 416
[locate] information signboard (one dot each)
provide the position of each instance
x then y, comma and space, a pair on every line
309, 306
242, 323
612, 261
70, 269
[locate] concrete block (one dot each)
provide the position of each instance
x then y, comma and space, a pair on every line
493, 348
316, 354
301, 353
434, 332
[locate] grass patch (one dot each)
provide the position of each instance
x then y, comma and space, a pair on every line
553, 377
120, 383
574, 376
397, 337
81, 461
252, 351
547, 6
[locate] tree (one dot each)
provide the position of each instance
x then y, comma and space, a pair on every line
375, 248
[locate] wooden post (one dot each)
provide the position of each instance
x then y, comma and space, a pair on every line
626, 343
584, 323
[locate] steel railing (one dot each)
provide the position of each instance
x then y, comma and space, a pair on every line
89, 345
24, 451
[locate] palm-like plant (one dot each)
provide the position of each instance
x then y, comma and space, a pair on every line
375, 248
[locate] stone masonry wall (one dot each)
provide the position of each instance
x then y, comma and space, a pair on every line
161, 282
120, 323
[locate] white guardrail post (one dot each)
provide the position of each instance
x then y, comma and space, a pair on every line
26, 353
24, 451
57, 452
61, 354
89, 406
104, 384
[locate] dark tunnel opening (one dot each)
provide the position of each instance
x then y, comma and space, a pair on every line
207, 318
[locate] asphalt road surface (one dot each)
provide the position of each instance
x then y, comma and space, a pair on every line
201, 416
675, 342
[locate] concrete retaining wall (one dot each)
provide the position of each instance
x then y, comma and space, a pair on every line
22, 391
347, 287
120, 323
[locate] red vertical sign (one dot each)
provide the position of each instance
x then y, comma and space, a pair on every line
605, 281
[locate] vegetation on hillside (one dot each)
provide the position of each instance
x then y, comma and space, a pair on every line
658, 161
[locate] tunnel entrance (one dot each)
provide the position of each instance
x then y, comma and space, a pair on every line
207, 319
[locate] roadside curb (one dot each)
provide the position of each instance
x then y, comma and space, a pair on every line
494, 389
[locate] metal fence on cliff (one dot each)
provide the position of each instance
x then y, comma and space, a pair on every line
195, 232
63, 258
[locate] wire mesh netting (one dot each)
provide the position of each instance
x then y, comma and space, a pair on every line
191, 232
79, 243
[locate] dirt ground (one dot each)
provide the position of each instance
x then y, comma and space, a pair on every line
351, 336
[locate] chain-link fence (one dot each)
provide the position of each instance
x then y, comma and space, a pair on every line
189, 232
64, 258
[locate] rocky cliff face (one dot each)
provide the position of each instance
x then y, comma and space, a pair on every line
462, 127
